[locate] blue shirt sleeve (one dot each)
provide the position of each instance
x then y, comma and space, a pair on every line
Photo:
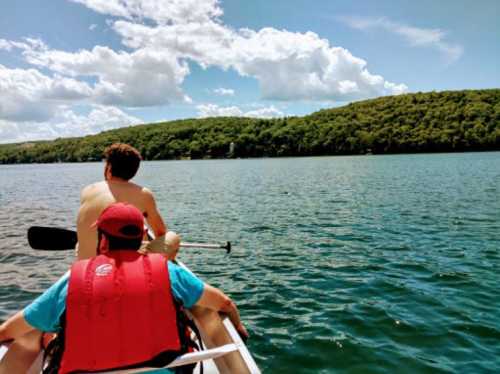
45, 312
186, 286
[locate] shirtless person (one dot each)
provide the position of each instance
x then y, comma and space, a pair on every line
122, 163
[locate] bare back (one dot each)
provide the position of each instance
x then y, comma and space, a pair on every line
96, 197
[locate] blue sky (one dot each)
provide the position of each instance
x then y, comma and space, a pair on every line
76, 67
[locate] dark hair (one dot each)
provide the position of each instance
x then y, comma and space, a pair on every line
123, 159
115, 243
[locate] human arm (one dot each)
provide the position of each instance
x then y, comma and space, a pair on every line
167, 245
191, 291
26, 327
15, 327
25, 345
42, 314
215, 299
22, 353
152, 214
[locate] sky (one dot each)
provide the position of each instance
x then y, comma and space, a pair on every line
77, 67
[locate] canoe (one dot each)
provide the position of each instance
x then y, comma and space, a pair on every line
224, 352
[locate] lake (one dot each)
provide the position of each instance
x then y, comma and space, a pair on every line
356, 264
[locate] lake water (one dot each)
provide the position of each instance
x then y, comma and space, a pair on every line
368, 264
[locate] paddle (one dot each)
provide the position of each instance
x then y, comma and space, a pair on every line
57, 239
51, 238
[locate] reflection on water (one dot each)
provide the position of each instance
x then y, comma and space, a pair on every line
346, 264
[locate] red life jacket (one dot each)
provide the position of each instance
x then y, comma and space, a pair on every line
119, 312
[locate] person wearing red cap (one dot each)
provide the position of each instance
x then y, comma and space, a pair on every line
146, 292
122, 163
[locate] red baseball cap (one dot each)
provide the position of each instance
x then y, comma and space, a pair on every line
121, 220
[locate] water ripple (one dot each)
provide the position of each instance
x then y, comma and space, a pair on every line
345, 264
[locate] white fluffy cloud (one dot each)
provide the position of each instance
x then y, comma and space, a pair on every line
27, 45
28, 95
142, 78
291, 66
65, 122
213, 110
159, 11
268, 112
5, 45
100, 118
288, 66
415, 36
161, 38
224, 91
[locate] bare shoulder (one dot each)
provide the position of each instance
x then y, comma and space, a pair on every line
146, 191
90, 190
147, 195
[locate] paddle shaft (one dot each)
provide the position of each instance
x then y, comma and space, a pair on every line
201, 245
227, 246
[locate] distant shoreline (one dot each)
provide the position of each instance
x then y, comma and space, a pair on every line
434, 122
266, 158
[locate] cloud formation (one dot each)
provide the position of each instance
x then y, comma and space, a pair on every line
159, 11
414, 36
161, 38
28, 95
288, 65
224, 91
214, 110
65, 123
142, 78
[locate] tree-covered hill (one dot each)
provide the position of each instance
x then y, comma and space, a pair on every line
422, 122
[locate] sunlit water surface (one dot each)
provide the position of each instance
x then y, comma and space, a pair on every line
340, 264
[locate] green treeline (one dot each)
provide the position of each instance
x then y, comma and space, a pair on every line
422, 122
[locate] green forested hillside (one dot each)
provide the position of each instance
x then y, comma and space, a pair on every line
421, 122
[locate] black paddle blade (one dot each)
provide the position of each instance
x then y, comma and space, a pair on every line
51, 238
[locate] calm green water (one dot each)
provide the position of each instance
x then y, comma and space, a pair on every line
341, 264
